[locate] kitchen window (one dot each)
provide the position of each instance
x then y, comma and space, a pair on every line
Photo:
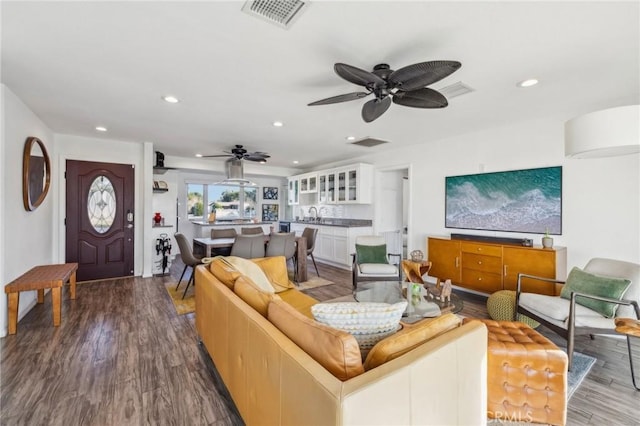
230, 202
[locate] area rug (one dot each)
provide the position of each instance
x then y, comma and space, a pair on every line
313, 282
581, 366
183, 306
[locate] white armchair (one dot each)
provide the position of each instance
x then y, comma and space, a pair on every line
568, 318
371, 261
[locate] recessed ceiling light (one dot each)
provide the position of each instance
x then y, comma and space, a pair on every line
528, 83
170, 99
198, 155
350, 138
295, 161
101, 128
278, 124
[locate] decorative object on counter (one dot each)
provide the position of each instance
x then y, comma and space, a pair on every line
157, 219
270, 193
163, 245
547, 241
270, 212
214, 207
417, 256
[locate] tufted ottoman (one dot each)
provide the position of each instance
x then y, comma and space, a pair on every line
501, 306
526, 375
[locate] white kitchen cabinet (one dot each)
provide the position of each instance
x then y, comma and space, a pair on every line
335, 244
346, 185
355, 184
327, 187
294, 191
308, 183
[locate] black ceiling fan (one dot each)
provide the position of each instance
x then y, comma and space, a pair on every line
239, 153
406, 86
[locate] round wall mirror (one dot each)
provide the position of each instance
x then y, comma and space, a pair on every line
36, 173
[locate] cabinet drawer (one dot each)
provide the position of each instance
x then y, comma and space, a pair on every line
485, 249
481, 281
480, 262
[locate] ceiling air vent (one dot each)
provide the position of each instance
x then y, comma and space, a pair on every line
369, 142
455, 89
278, 12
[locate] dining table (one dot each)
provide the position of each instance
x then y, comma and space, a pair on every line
204, 247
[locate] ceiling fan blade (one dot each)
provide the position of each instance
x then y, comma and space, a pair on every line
420, 98
340, 98
219, 155
375, 108
357, 76
422, 74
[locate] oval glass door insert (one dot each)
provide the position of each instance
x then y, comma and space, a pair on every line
101, 205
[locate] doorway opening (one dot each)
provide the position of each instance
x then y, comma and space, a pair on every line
393, 199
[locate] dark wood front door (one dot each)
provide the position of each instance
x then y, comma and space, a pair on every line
100, 219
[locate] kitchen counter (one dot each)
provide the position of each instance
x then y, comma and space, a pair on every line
230, 223
344, 223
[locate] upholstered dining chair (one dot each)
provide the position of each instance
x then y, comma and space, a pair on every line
223, 233
310, 235
188, 258
589, 301
371, 261
252, 230
248, 246
283, 244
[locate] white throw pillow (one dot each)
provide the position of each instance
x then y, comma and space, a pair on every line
252, 271
368, 322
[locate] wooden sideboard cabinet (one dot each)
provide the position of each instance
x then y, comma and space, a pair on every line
489, 267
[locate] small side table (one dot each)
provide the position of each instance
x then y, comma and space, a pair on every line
40, 278
631, 328
413, 271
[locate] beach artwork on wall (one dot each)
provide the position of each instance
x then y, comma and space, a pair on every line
514, 201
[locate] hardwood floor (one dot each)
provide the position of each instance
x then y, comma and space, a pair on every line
123, 356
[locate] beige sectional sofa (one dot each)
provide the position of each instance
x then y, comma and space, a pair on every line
272, 380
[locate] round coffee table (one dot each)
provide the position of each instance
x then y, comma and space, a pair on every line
420, 306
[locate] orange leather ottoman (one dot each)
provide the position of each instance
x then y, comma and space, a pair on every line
526, 374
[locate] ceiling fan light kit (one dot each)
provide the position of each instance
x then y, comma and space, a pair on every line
406, 86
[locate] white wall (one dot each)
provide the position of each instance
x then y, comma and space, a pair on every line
26, 238
601, 197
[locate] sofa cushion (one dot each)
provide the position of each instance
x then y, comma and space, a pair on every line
224, 271
275, 268
371, 254
335, 350
253, 295
580, 281
411, 336
251, 270
369, 322
299, 301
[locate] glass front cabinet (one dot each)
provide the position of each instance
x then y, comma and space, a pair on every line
294, 191
345, 185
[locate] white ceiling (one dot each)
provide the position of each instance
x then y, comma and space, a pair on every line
82, 64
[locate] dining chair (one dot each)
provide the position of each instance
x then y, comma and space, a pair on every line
310, 234
188, 258
222, 233
252, 230
248, 246
283, 244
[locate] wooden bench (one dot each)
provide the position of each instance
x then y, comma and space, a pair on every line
40, 278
